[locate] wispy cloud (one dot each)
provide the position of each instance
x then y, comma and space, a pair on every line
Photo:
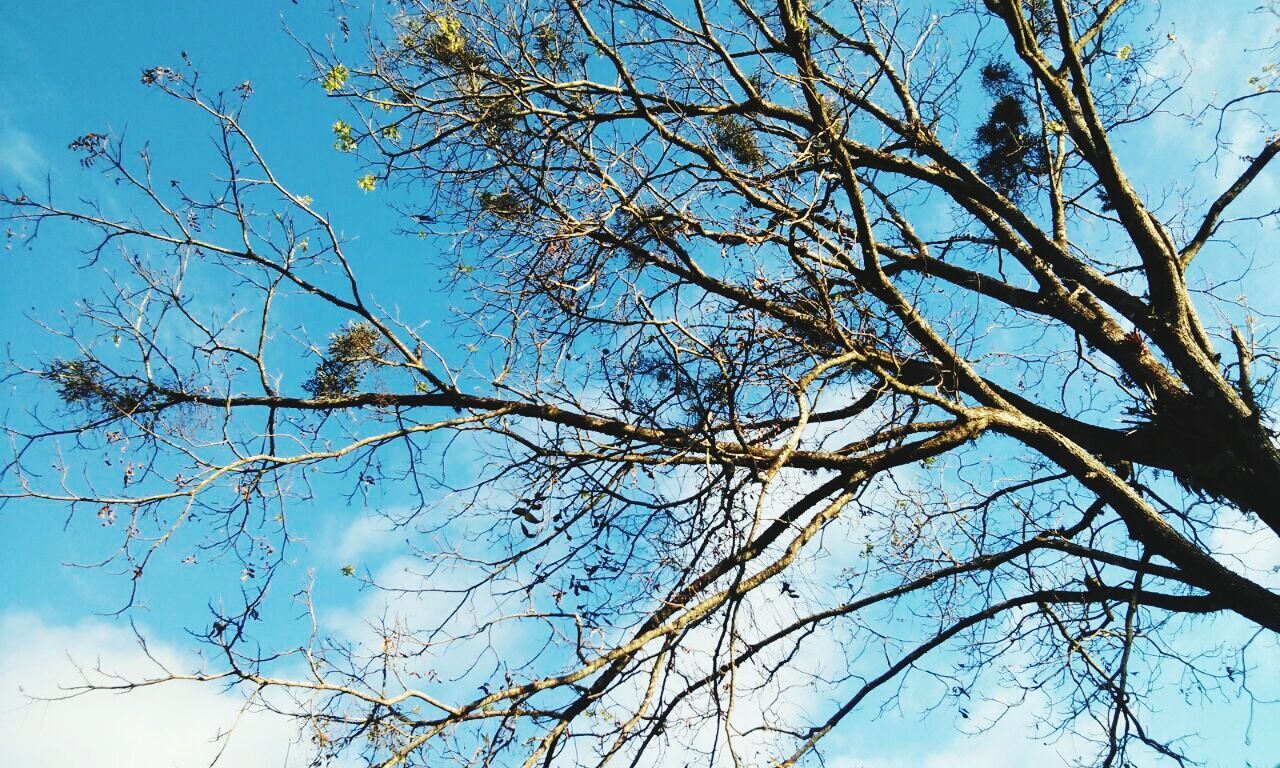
20, 159
1246, 544
168, 726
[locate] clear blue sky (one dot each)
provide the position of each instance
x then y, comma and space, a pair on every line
70, 68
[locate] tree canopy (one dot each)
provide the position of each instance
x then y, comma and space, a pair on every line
806, 356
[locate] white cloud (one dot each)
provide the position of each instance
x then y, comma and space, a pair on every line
169, 726
355, 540
1246, 544
1009, 741
20, 161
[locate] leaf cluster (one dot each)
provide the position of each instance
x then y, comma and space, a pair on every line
85, 383
350, 354
1011, 152
439, 36
505, 205
734, 135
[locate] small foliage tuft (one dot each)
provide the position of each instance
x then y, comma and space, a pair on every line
1011, 152
343, 138
351, 351
503, 205
91, 146
440, 37
83, 383
335, 78
732, 134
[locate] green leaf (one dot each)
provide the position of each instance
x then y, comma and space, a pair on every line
335, 78
343, 140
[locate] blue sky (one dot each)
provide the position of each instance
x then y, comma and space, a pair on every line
66, 71
68, 76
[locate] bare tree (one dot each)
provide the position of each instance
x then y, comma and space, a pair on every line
810, 352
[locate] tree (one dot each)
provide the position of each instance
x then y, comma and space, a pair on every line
777, 369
